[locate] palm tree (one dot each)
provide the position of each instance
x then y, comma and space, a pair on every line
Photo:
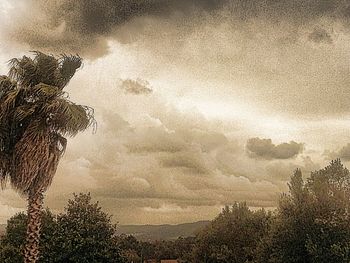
35, 117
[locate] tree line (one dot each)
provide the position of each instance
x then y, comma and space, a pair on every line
311, 224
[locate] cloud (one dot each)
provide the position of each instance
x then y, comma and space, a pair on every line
186, 160
10, 204
264, 148
136, 87
156, 171
343, 153
150, 153
287, 57
155, 139
282, 171
320, 35
85, 27
175, 164
8, 211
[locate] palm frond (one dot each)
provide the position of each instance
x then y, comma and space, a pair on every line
47, 68
13, 111
68, 67
24, 71
23, 112
30, 72
6, 85
69, 118
9, 100
4, 134
5, 166
42, 92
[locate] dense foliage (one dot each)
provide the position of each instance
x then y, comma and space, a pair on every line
310, 225
232, 236
83, 233
313, 223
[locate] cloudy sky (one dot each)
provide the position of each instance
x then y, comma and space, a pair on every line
199, 103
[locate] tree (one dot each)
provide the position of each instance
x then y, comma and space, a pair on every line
11, 245
35, 118
329, 191
312, 224
83, 233
232, 236
86, 233
131, 248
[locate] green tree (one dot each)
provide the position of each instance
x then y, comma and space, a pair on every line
11, 245
83, 233
183, 247
312, 224
131, 248
134, 250
35, 118
86, 233
329, 190
233, 236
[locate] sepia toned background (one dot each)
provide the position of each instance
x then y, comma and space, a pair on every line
198, 103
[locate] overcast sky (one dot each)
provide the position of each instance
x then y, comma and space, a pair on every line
199, 103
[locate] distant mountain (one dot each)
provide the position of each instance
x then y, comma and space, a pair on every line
153, 232
162, 232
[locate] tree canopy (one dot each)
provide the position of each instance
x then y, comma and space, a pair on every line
313, 223
83, 233
232, 236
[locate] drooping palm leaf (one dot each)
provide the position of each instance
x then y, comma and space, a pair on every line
68, 67
42, 91
69, 118
6, 84
5, 166
45, 69
24, 71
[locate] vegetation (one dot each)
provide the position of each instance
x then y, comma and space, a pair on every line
232, 236
311, 224
35, 118
83, 233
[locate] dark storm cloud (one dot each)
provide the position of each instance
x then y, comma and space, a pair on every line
85, 26
191, 161
264, 148
320, 35
136, 87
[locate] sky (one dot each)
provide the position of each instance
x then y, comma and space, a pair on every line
199, 103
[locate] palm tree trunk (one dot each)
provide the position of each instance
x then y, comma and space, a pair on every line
35, 205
